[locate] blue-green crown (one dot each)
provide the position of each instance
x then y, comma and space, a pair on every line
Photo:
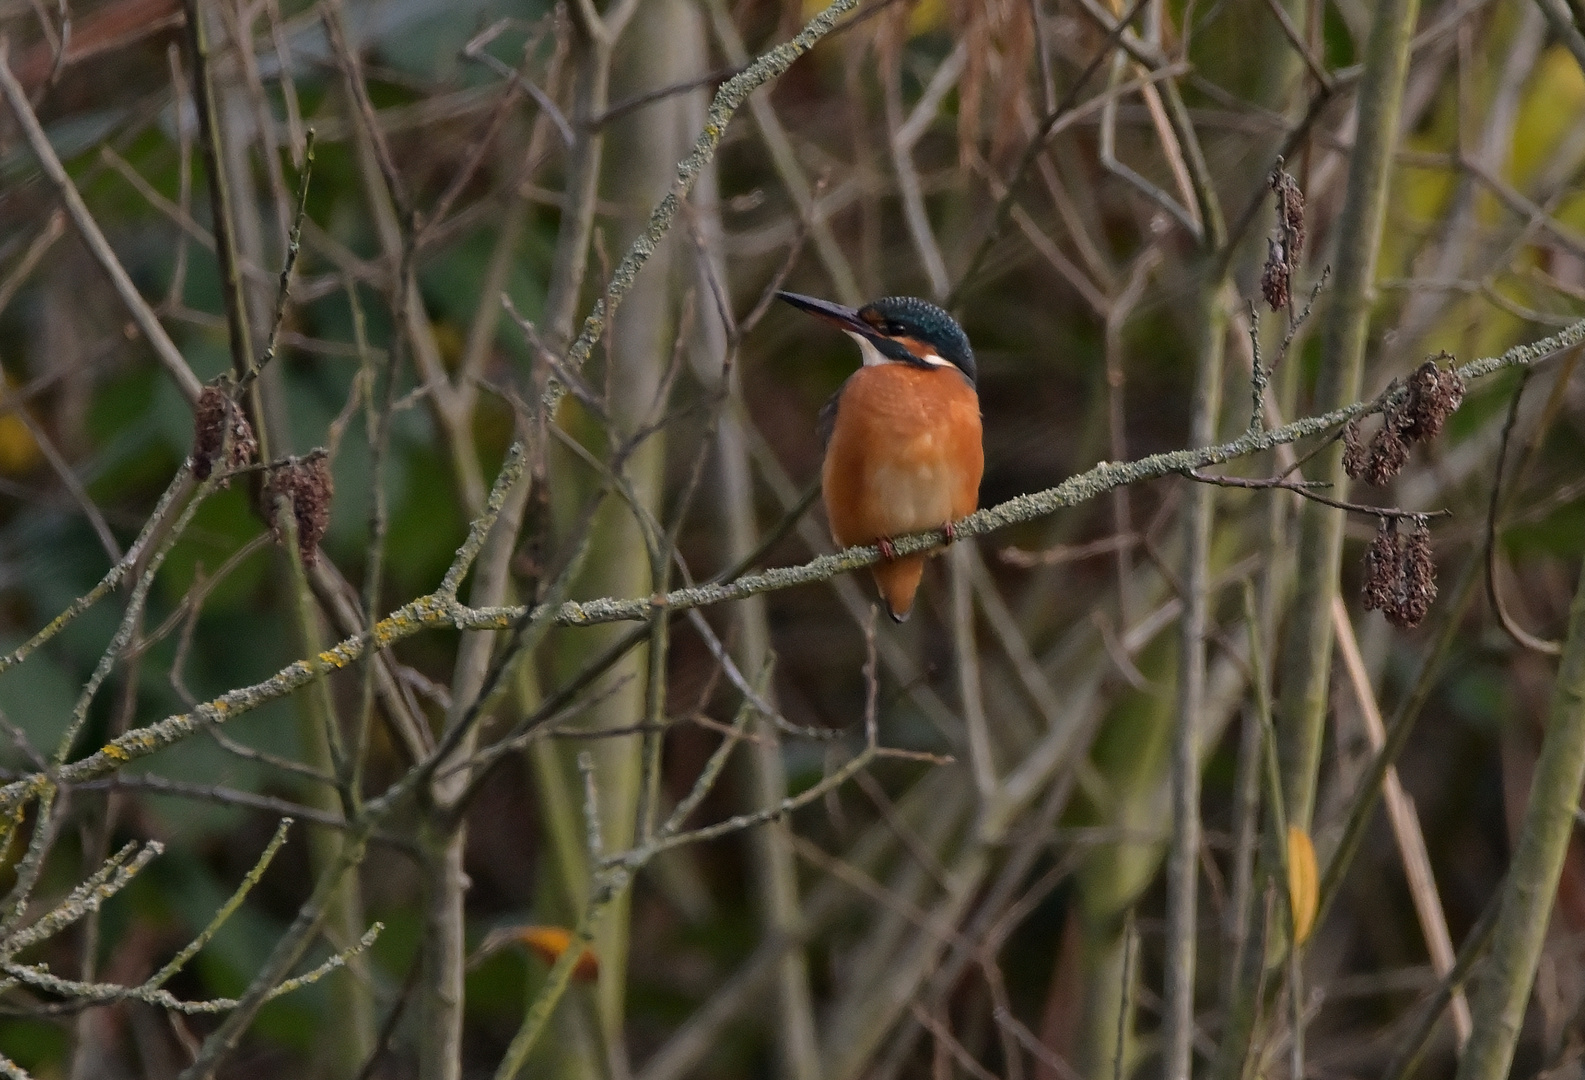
908, 316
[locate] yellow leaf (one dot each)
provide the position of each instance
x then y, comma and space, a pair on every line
926, 16
450, 343
1304, 883
18, 451
549, 942
1548, 110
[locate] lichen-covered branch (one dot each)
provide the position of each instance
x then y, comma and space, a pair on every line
440, 610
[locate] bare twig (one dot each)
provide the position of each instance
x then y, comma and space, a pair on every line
1005, 203
1306, 488
1505, 618
54, 228
1183, 862
1405, 821
164, 348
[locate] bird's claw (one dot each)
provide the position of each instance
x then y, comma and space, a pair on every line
888, 551
949, 532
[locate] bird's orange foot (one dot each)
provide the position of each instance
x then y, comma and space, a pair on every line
950, 532
888, 552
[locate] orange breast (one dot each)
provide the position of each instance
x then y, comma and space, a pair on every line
905, 456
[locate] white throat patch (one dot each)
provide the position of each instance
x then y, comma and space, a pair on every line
873, 357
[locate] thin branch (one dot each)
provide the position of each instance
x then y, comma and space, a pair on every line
54, 228
1306, 488
1066, 553
1317, 68
1405, 822
164, 348
914, 212
1453, 603
1211, 318
1510, 625
784, 157
1409, 1053
1185, 215
1004, 204
63, 469
357, 88
294, 238
966, 658
230, 258
474, 50
225, 911
116, 873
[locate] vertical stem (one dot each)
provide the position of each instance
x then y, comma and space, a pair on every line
592, 92
441, 848
645, 149
1308, 652
1531, 885
590, 57
1183, 861
1246, 815
233, 291
781, 909
237, 238
654, 711
1405, 822
443, 835
775, 872
968, 664
319, 731
1125, 1000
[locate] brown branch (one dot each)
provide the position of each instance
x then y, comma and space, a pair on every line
1510, 625
164, 348
1307, 489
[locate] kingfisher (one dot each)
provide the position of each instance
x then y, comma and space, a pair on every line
902, 437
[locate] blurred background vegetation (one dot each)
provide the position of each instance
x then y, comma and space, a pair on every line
996, 904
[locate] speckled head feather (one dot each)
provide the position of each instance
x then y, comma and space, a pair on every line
903, 317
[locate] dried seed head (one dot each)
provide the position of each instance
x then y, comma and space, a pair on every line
1388, 454
307, 485
1400, 573
1434, 393
1282, 256
1290, 212
1416, 579
1355, 456
1382, 568
210, 432
1277, 278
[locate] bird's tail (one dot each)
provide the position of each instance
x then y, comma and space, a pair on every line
899, 581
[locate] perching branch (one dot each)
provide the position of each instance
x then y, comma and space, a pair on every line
442, 609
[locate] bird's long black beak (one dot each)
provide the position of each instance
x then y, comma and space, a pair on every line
844, 318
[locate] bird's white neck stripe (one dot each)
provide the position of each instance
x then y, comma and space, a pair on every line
873, 357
